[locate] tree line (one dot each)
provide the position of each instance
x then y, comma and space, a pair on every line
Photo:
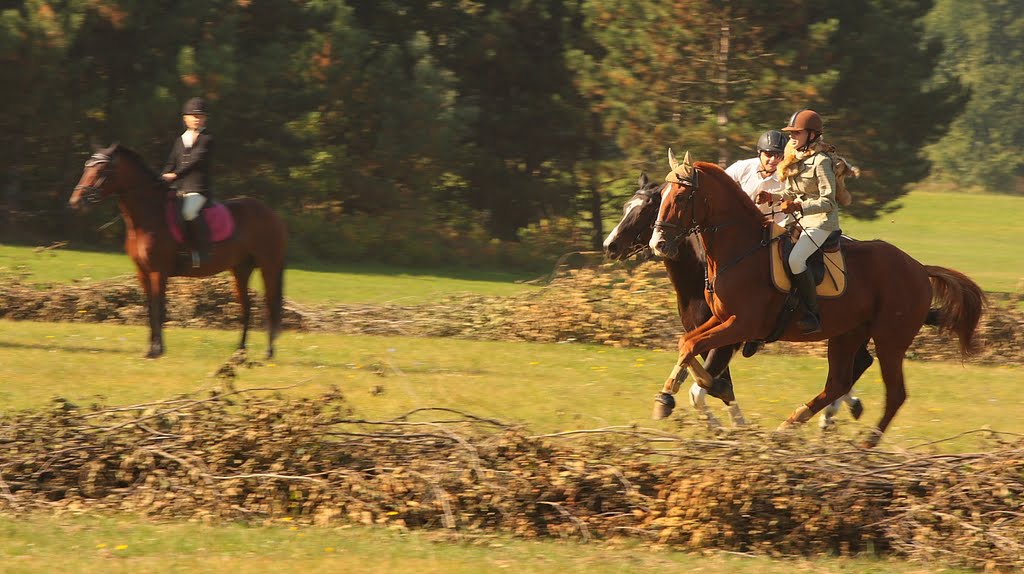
484, 119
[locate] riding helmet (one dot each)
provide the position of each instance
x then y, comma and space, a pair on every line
771, 140
194, 107
805, 120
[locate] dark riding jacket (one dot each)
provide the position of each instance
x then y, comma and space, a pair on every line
192, 165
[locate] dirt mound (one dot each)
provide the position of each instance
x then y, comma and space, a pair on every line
609, 305
258, 457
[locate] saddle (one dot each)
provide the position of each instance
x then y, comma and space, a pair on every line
827, 265
218, 220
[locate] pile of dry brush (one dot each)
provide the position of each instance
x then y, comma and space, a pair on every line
608, 304
255, 456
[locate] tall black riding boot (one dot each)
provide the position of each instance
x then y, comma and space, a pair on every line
200, 236
811, 320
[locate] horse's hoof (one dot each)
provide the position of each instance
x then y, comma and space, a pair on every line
856, 409
155, 353
737, 416
663, 405
749, 348
722, 389
872, 440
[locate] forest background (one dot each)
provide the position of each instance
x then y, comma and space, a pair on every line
465, 132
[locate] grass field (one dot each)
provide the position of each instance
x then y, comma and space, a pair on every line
548, 387
312, 284
968, 232
123, 545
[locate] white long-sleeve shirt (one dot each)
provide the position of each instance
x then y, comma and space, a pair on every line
746, 172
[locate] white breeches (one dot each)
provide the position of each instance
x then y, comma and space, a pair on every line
191, 203
810, 241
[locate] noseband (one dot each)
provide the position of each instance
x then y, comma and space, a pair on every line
93, 194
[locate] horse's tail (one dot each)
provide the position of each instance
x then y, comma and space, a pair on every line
960, 304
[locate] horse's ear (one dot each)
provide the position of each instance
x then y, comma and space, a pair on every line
642, 182
687, 163
110, 149
672, 163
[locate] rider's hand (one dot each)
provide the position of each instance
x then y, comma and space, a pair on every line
790, 206
170, 176
762, 197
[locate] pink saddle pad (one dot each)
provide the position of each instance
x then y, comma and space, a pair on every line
218, 220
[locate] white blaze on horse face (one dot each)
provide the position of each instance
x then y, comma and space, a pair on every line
631, 206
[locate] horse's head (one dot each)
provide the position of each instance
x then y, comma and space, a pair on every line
634, 230
680, 212
96, 182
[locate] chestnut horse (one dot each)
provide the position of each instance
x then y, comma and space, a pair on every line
887, 298
686, 272
259, 239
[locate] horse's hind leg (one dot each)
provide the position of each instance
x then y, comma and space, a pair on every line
861, 362
890, 360
841, 352
273, 285
242, 272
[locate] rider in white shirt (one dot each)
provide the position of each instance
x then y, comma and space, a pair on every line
758, 173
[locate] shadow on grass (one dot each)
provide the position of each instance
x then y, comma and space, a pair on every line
68, 348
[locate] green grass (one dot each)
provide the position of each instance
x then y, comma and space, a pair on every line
384, 284
547, 387
61, 266
967, 232
113, 545
306, 283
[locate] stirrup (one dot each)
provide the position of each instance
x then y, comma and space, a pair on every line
197, 259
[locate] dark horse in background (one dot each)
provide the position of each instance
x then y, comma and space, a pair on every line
686, 272
259, 239
887, 299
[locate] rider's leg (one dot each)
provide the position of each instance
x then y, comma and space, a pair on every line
195, 224
808, 243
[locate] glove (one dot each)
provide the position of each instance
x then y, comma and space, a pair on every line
762, 197
790, 206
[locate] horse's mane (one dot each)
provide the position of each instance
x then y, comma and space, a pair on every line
137, 159
730, 186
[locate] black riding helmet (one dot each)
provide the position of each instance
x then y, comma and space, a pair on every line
194, 107
772, 140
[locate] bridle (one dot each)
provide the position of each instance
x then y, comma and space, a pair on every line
680, 232
93, 194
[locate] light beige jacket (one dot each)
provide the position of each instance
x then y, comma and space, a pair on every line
811, 180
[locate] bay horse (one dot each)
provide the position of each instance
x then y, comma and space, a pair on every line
887, 298
686, 272
259, 239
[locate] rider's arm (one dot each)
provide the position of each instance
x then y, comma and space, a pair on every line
172, 159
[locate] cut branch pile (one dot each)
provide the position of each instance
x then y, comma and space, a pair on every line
256, 456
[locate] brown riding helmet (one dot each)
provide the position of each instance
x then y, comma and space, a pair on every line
805, 120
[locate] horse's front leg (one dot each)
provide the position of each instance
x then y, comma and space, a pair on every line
722, 336
665, 402
156, 291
